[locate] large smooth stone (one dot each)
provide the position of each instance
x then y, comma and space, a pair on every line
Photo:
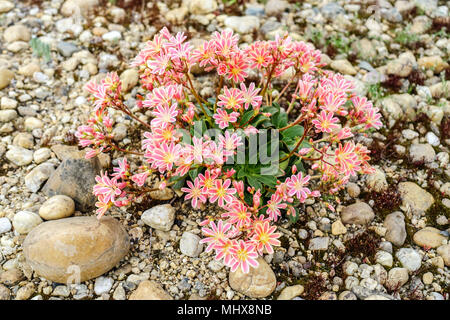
258, 283
76, 249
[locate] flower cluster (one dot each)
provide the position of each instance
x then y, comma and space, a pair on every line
194, 144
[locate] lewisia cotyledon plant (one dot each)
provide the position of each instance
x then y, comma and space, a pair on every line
205, 148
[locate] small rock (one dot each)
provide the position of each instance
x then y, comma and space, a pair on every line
32, 123
320, 243
409, 258
61, 291
5, 78
129, 79
119, 293
5, 293
396, 229
384, 258
357, 213
444, 252
5, 225
38, 176
150, 290
260, 282
67, 48
397, 277
78, 7
244, 24
11, 277
25, 221
275, 7
7, 103
177, 15
200, 7
338, 228
112, 36
25, 292
41, 155
428, 237
291, 292
414, 197
17, 32
6, 6
103, 285
427, 278
353, 190
57, 207
190, 244
432, 139
160, 217
343, 66
76, 249
422, 153
8, 115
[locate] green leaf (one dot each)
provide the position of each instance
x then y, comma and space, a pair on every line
280, 119
180, 183
247, 116
293, 132
193, 173
270, 109
253, 182
271, 181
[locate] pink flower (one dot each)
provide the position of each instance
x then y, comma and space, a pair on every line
296, 186
231, 99
215, 234
194, 192
140, 178
274, 205
238, 214
265, 237
245, 255
223, 118
164, 115
121, 171
250, 96
221, 192
325, 122
108, 189
206, 181
164, 156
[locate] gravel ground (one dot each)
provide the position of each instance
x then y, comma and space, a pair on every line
388, 238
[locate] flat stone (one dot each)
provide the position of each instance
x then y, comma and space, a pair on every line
75, 178
384, 258
57, 207
76, 249
358, 213
17, 32
414, 197
150, 290
244, 24
291, 292
428, 237
260, 282
38, 176
11, 277
422, 153
320, 243
338, 228
8, 115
